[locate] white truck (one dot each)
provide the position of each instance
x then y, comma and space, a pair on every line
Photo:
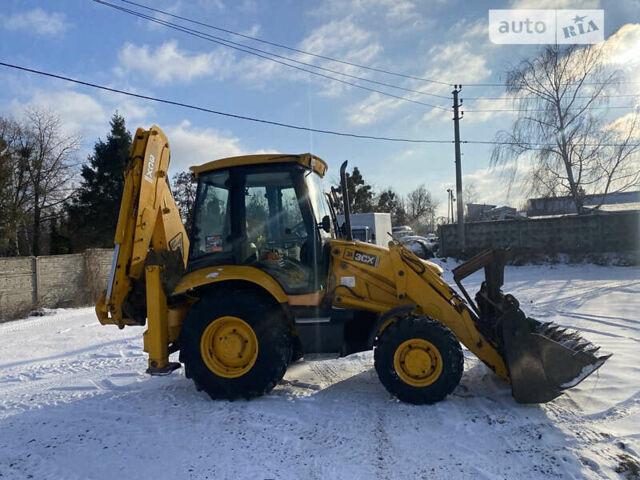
370, 227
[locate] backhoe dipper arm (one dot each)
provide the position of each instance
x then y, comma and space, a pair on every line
149, 221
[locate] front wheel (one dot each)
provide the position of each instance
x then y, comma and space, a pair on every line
235, 344
419, 360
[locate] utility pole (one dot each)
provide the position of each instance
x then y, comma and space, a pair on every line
451, 217
457, 115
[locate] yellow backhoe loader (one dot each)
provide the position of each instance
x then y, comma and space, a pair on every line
268, 276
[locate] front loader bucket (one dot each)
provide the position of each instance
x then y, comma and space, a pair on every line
544, 359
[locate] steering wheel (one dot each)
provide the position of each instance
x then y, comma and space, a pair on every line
298, 230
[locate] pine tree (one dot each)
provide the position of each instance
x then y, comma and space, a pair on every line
360, 193
93, 213
389, 201
59, 242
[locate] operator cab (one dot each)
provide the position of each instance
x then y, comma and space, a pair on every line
264, 211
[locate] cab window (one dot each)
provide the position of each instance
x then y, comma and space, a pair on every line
318, 201
277, 236
212, 215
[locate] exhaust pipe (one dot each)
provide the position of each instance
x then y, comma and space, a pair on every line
345, 200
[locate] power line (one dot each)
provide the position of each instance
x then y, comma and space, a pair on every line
271, 122
216, 112
580, 97
280, 45
220, 39
325, 57
542, 110
252, 51
621, 82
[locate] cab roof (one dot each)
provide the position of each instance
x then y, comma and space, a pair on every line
307, 160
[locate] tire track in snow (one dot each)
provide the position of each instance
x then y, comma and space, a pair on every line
60, 382
382, 449
600, 319
593, 438
584, 294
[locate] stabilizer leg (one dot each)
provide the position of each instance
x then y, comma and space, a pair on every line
156, 338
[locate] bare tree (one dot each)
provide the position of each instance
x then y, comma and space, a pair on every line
567, 142
40, 159
14, 187
421, 209
470, 193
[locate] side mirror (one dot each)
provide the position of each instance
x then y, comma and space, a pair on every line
326, 224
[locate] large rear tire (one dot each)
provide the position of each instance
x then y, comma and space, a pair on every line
235, 344
419, 360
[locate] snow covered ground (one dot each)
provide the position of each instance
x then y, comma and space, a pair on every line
75, 404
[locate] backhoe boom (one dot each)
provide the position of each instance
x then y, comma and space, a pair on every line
151, 246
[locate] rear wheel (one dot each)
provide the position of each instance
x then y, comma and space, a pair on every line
419, 360
235, 344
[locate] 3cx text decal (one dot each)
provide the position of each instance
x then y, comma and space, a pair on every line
366, 258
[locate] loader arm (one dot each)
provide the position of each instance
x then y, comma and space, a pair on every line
397, 277
539, 360
151, 245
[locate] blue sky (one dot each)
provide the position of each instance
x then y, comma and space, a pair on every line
439, 39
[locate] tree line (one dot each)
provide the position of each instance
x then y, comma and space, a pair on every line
50, 203
417, 209
43, 208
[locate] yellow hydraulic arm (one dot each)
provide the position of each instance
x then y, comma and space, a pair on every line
381, 280
149, 238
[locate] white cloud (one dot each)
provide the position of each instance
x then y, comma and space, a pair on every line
248, 6
626, 127
478, 30
435, 115
623, 48
168, 64
77, 111
194, 146
345, 40
453, 61
253, 31
35, 21
501, 185
85, 115
375, 107
457, 60
476, 111
555, 4
341, 39
338, 36
89, 116
132, 109
402, 14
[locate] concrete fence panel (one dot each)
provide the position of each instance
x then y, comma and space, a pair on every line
17, 286
595, 233
28, 283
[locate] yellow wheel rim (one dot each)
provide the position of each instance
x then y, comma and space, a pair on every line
418, 362
229, 347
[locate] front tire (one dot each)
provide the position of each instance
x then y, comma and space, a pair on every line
235, 344
419, 360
